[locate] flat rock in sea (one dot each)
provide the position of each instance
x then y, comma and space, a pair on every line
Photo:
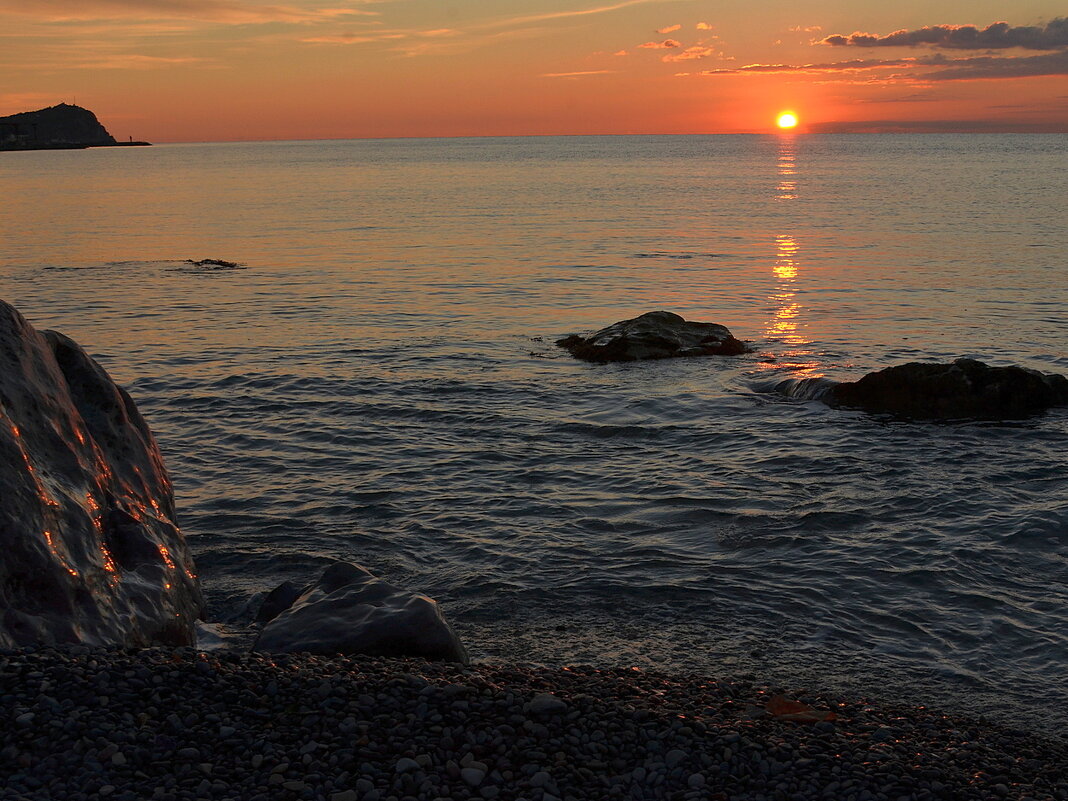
350, 611
89, 548
653, 335
965, 389
214, 264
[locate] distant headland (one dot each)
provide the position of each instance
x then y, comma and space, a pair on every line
62, 127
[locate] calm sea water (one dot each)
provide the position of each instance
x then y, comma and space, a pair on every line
379, 384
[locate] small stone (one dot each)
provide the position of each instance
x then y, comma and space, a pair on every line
473, 776
118, 758
546, 704
674, 757
296, 786
345, 795
695, 780
406, 765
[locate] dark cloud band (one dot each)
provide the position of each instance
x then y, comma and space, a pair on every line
1000, 35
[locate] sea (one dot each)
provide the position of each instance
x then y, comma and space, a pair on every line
378, 382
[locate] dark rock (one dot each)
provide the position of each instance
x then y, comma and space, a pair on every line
89, 548
278, 600
350, 611
57, 126
215, 264
963, 390
654, 335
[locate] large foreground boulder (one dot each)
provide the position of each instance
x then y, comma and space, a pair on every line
654, 335
965, 389
350, 611
89, 548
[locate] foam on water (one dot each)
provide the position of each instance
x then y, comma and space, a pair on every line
379, 385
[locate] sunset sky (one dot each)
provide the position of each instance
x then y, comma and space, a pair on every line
207, 70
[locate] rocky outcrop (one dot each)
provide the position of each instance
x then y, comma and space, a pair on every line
654, 335
56, 126
89, 548
965, 389
350, 611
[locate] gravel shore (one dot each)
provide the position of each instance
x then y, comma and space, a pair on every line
169, 724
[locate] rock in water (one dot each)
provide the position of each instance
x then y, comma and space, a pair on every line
654, 335
350, 611
966, 389
89, 548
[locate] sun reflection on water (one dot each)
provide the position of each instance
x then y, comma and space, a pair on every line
786, 325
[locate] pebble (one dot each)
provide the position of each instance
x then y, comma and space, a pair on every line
311, 728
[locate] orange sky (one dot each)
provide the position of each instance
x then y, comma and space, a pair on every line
208, 70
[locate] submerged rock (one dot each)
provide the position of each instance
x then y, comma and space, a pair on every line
963, 389
654, 335
89, 548
350, 611
214, 264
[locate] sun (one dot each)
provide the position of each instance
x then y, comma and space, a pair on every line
786, 120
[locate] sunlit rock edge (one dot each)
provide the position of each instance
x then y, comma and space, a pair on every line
90, 550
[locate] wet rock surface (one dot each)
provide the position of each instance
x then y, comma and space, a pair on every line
89, 548
350, 611
654, 335
174, 724
965, 389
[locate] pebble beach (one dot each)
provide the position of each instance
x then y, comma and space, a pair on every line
171, 724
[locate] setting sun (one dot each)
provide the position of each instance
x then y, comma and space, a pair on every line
786, 120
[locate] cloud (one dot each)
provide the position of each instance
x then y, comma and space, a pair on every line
564, 14
221, 11
703, 26
1000, 35
135, 61
921, 70
938, 126
834, 66
805, 29
620, 53
668, 29
664, 45
576, 74
689, 54
993, 67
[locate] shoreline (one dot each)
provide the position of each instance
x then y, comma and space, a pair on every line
175, 723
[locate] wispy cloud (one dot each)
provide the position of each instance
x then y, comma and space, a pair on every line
217, 11
690, 54
136, 61
667, 44
581, 74
1000, 35
703, 26
854, 65
552, 15
669, 29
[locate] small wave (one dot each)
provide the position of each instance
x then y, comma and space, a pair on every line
677, 254
798, 388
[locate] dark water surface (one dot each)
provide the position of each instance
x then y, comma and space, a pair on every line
379, 385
